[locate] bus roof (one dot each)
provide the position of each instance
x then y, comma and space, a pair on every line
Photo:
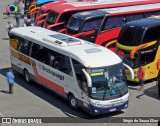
89, 14
144, 23
100, 4
83, 51
132, 8
50, 5
117, 10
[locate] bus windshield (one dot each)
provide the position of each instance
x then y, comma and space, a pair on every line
74, 24
51, 17
131, 36
108, 82
133, 63
40, 12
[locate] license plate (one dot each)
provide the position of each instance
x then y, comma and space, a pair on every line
112, 110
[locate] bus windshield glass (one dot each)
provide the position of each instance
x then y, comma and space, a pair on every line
108, 82
40, 12
74, 24
51, 17
133, 63
131, 36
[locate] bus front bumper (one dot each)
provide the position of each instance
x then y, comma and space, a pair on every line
101, 110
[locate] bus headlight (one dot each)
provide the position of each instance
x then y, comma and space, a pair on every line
135, 74
126, 106
96, 111
96, 104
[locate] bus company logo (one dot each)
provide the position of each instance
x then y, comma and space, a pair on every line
48, 70
20, 120
6, 120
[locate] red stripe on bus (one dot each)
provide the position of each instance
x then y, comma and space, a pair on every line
45, 81
107, 36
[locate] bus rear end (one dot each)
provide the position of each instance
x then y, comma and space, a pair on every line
139, 40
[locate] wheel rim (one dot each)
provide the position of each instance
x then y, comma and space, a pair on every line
26, 76
73, 102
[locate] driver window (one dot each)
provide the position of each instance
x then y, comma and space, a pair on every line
81, 79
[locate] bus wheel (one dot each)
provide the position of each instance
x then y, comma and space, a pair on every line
27, 76
73, 102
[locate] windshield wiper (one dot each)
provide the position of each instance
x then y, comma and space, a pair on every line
118, 89
107, 87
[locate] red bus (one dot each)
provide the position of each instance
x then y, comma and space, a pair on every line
34, 8
58, 16
103, 26
44, 9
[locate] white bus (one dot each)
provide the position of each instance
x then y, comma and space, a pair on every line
87, 75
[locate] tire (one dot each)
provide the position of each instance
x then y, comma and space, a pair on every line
73, 102
27, 76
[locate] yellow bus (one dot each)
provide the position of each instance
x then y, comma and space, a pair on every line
140, 42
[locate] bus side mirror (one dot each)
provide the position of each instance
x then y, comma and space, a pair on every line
130, 70
89, 82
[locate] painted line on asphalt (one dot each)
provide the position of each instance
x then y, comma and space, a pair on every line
3, 116
148, 124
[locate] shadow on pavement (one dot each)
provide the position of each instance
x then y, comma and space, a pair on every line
133, 85
4, 91
152, 92
139, 96
5, 38
56, 100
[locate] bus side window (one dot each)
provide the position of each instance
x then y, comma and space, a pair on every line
34, 53
151, 35
133, 17
58, 61
113, 22
151, 14
92, 24
66, 66
42, 52
148, 58
24, 46
82, 82
81, 79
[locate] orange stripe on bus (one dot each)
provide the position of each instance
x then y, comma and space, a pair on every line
110, 43
52, 85
21, 57
136, 49
45, 81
